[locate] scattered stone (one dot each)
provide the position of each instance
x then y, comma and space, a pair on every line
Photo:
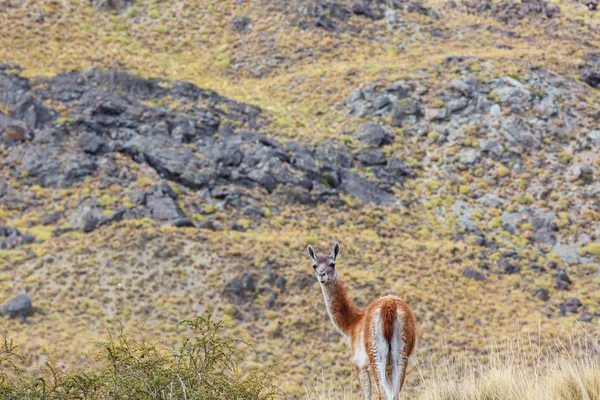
241, 24
473, 274
506, 267
111, 5
371, 157
87, 218
19, 307
373, 134
592, 78
585, 316
362, 189
592, 5
562, 280
161, 203
241, 290
570, 305
542, 294
469, 157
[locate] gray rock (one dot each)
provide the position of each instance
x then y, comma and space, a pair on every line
495, 110
570, 305
161, 203
111, 5
491, 146
436, 114
363, 190
380, 102
41, 163
304, 160
241, 24
463, 211
473, 274
582, 171
373, 134
19, 307
263, 179
405, 109
512, 92
87, 218
490, 200
77, 167
297, 194
594, 136
456, 105
401, 89
506, 267
469, 157
12, 237
371, 157
92, 144
32, 112
542, 294
592, 78
562, 280
326, 152
12, 130
182, 222
161, 152
399, 167
544, 236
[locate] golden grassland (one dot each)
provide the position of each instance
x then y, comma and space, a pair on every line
136, 271
568, 371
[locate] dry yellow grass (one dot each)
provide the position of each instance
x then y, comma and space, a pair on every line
569, 371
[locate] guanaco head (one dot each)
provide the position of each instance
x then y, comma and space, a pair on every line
324, 266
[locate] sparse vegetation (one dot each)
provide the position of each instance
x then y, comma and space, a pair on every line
203, 365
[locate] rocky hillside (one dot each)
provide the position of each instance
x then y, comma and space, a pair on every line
163, 160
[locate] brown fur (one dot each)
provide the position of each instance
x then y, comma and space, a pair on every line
343, 312
388, 316
351, 320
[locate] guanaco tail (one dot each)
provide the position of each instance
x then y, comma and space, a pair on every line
381, 337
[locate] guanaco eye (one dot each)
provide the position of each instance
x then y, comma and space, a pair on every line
314, 266
332, 265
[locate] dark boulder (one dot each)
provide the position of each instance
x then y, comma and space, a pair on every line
373, 134
473, 274
240, 290
13, 130
506, 267
161, 203
570, 305
562, 280
241, 24
327, 153
371, 157
33, 113
362, 189
542, 294
19, 307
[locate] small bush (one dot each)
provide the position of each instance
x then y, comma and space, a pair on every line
204, 366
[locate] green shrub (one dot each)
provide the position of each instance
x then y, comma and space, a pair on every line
203, 366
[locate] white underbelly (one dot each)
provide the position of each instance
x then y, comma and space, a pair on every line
359, 353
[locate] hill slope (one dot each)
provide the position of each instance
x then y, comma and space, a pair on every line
197, 148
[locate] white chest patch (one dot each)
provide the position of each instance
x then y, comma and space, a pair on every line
359, 353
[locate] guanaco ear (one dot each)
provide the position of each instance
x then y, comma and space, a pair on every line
311, 252
336, 251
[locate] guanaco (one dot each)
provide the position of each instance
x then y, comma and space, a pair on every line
381, 337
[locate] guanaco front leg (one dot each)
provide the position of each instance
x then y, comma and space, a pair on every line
364, 380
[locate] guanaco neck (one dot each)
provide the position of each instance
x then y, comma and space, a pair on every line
343, 313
